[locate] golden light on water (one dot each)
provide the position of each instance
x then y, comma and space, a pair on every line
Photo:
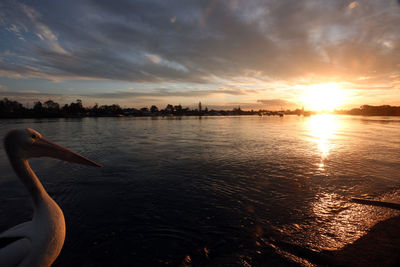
322, 128
324, 97
343, 222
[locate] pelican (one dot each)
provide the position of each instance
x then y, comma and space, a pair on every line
37, 242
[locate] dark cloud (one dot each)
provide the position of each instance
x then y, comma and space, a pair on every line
7, 93
196, 41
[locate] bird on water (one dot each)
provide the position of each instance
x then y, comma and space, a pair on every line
37, 242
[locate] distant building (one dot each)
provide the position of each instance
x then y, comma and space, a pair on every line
200, 110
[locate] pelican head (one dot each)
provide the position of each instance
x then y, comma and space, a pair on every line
28, 143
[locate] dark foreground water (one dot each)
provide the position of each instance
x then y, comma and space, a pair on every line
212, 191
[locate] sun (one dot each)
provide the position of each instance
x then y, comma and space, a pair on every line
323, 97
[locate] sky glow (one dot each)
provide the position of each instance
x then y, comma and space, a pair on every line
254, 54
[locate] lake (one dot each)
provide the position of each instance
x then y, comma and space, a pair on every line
212, 190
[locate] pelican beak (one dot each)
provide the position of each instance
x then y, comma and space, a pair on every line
46, 148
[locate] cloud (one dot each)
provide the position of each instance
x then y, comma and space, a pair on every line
353, 4
276, 103
16, 30
160, 61
3, 88
200, 41
42, 31
29, 92
22, 93
168, 93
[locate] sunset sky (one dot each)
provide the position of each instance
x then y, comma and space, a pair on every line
254, 54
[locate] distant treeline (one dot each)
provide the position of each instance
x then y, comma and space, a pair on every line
51, 109
367, 110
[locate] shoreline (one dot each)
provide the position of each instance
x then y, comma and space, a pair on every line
175, 116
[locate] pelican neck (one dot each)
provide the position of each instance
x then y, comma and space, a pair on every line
29, 179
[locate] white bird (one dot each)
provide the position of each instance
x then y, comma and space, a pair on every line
37, 242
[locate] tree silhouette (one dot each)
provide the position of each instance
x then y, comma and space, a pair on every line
10, 107
169, 109
154, 109
51, 106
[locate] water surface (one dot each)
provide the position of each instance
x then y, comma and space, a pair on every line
213, 190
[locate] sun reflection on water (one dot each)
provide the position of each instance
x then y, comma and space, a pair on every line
322, 129
339, 222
